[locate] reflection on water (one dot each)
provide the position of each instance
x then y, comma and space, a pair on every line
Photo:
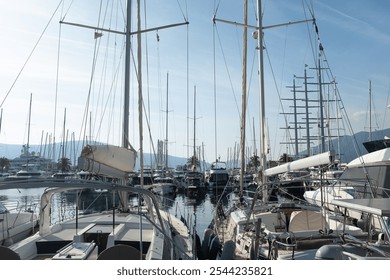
25, 199
197, 210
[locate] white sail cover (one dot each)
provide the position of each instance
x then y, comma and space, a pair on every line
107, 160
316, 160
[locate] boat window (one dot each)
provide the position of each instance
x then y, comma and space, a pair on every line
3, 210
352, 192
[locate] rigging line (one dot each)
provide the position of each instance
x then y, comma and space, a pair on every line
373, 110
115, 79
115, 74
66, 13
249, 86
83, 129
311, 8
56, 92
143, 105
343, 109
314, 53
188, 86
387, 108
281, 81
140, 98
185, 17
274, 79
147, 72
215, 93
103, 68
159, 86
254, 8
187, 11
228, 73
31, 53
216, 7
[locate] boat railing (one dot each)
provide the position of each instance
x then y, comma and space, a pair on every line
347, 238
274, 245
352, 256
19, 209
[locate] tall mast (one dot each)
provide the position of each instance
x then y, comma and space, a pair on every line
194, 122
369, 100
322, 125
140, 101
243, 98
63, 136
125, 136
166, 130
29, 123
254, 138
263, 149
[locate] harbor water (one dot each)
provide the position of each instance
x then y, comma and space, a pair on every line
197, 211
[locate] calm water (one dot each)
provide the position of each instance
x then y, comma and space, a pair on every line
198, 211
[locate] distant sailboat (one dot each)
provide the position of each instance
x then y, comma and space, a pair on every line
29, 165
194, 181
377, 144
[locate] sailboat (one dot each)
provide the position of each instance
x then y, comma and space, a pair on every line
194, 181
263, 227
29, 166
16, 224
110, 220
377, 144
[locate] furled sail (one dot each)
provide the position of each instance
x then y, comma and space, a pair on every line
316, 160
108, 160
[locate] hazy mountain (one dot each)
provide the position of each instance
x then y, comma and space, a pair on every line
12, 151
347, 146
348, 151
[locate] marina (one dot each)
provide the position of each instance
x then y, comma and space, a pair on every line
116, 192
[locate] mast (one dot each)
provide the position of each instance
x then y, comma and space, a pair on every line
166, 130
263, 143
125, 136
28, 127
322, 125
194, 152
243, 98
254, 137
369, 100
63, 137
263, 150
140, 112
307, 115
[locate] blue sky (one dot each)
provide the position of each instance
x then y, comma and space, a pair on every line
354, 35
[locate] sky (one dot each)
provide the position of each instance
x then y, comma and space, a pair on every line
75, 96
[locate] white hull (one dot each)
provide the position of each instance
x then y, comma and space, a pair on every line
14, 227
